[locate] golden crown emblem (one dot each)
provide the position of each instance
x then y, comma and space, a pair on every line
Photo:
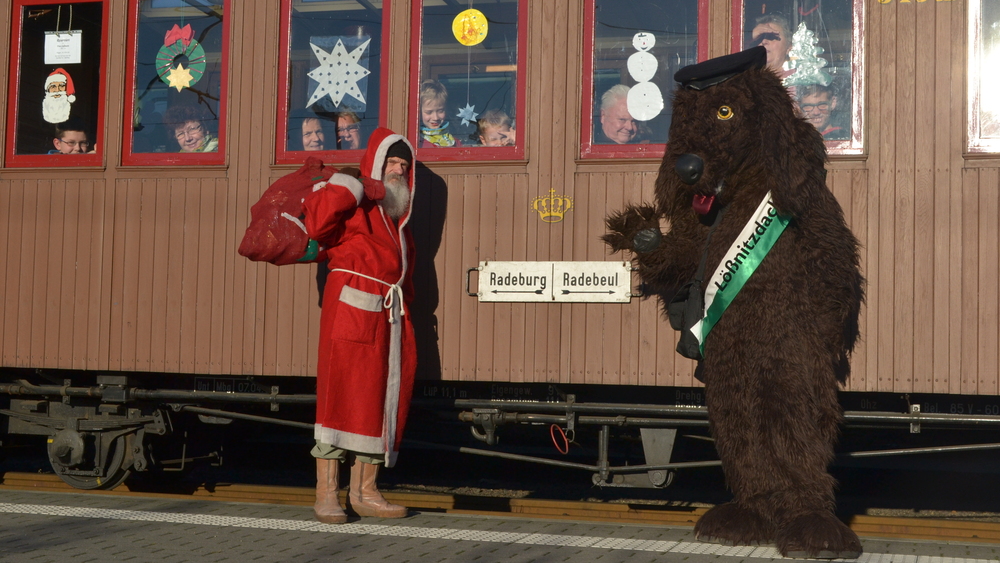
552, 208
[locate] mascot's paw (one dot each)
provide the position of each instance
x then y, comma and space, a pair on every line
731, 524
636, 228
818, 535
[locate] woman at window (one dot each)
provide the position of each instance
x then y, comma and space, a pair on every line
186, 124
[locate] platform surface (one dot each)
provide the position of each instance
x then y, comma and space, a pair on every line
41, 527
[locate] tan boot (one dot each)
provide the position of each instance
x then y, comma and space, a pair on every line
327, 507
365, 498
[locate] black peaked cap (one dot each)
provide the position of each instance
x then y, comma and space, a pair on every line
713, 71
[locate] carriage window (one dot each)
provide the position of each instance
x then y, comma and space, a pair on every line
332, 93
56, 103
468, 92
816, 52
637, 47
984, 82
177, 74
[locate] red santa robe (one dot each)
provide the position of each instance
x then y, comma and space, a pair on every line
367, 355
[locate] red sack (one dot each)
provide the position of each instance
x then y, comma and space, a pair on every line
276, 233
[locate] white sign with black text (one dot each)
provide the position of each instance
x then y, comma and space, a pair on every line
566, 282
63, 47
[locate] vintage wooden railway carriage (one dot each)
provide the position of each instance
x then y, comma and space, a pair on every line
123, 301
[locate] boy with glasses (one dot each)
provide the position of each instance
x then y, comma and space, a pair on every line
70, 138
817, 105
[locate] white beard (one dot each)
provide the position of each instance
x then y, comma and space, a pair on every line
55, 110
397, 196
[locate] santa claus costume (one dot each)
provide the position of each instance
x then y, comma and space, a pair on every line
367, 355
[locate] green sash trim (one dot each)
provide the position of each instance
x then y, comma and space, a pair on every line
739, 263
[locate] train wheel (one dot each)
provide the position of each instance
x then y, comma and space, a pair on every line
68, 455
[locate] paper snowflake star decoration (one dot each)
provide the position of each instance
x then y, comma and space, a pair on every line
338, 73
179, 77
467, 114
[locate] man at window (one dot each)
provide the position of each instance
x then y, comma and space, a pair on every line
186, 125
617, 125
818, 104
313, 138
348, 131
70, 138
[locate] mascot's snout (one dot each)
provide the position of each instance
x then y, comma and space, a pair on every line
689, 167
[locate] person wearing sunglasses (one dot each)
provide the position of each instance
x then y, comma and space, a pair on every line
771, 31
348, 130
818, 105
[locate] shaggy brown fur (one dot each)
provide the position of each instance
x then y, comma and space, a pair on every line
773, 362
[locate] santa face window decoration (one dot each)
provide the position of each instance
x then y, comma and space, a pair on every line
58, 114
812, 46
333, 89
177, 70
637, 47
466, 92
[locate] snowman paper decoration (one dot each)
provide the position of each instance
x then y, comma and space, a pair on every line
645, 101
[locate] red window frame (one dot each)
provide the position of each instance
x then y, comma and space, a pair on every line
855, 145
445, 154
154, 159
281, 152
13, 94
588, 149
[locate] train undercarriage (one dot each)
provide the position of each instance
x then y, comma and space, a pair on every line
101, 429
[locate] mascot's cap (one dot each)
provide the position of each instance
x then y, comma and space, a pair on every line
399, 150
714, 71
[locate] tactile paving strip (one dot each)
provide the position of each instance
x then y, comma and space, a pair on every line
593, 542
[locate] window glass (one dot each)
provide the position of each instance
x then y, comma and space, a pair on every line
59, 82
638, 46
467, 92
334, 75
178, 80
984, 81
814, 52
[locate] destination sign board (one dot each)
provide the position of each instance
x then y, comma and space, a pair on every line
546, 282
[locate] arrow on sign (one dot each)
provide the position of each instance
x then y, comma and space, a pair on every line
536, 291
565, 291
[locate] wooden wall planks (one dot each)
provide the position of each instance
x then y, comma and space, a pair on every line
129, 269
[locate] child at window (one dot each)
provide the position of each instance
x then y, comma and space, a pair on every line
71, 138
495, 130
434, 132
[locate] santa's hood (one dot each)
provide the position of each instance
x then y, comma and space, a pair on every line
378, 145
373, 161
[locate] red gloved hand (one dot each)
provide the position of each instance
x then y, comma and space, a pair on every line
374, 189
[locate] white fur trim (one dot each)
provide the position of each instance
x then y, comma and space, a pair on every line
57, 77
296, 221
348, 440
349, 182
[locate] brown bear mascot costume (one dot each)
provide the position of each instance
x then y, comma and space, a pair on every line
759, 272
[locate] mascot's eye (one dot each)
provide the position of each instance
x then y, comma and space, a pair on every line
725, 113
